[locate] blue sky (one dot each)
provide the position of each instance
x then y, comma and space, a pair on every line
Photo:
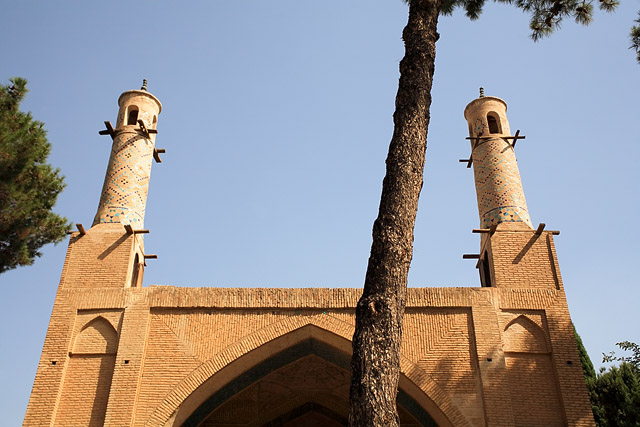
276, 120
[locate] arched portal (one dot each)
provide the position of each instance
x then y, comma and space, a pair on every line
302, 373
305, 384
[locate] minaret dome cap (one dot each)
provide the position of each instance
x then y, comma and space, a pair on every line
144, 93
479, 101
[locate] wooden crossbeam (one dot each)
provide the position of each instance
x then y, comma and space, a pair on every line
81, 229
156, 154
108, 131
151, 256
490, 230
144, 129
468, 161
540, 228
471, 256
515, 138
130, 230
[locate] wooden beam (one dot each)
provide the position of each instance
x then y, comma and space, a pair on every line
81, 229
515, 138
130, 230
468, 161
471, 256
151, 256
540, 228
144, 129
156, 154
108, 131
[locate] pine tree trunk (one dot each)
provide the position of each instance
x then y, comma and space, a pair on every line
375, 364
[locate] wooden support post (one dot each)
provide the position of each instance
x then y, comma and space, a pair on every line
156, 154
468, 161
515, 138
491, 230
540, 228
144, 129
130, 230
108, 131
81, 229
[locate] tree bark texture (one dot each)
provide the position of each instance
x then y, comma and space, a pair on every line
375, 365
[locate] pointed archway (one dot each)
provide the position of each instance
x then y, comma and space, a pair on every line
303, 384
250, 352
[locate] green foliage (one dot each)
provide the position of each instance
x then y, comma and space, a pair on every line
29, 186
546, 15
635, 38
614, 393
633, 360
587, 367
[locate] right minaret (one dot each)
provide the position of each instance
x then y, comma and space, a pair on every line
498, 186
512, 253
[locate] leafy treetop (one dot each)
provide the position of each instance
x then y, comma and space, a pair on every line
29, 186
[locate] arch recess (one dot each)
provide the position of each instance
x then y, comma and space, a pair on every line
255, 348
98, 336
524, 335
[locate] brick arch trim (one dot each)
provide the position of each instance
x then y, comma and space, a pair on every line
240, 356
522, 334
97, 336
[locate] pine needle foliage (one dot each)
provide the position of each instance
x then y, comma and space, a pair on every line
635, 38
546, 15
29, 186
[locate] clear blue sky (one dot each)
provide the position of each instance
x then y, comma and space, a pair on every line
276, 121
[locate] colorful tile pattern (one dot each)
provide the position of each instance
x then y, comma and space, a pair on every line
124, 194
498, 185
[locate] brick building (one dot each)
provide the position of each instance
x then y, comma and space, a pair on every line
120, 354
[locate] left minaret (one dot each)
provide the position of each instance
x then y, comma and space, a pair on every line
124, 193
111, 253
91, 359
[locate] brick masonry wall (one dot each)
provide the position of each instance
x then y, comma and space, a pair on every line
523, 259
172, 341
102, 258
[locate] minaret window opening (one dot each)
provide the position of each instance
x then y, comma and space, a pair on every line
485, 271
132, 118
494, 123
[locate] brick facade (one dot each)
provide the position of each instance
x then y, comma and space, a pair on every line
119, 354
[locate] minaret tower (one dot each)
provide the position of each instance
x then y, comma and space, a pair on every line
501, 199
124, 193
111, 253
512, 253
